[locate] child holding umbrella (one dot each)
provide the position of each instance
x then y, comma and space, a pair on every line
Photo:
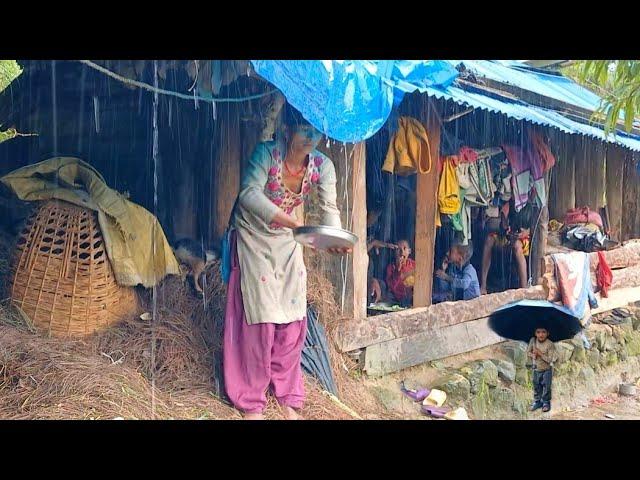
543, 352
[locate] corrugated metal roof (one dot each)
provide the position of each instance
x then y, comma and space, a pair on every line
552, 86
530, 113
521, 75
545, 83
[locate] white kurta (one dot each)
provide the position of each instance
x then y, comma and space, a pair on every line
273, 274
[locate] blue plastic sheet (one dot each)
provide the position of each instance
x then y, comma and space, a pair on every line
350, 100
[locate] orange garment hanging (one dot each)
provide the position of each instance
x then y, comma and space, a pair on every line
409, 149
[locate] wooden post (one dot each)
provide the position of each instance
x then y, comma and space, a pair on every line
348, 274
539, 245
359, 227
426, 211
226, 168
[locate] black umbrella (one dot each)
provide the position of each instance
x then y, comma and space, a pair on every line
519, 320
315, 354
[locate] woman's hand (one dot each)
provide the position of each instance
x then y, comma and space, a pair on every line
339, 251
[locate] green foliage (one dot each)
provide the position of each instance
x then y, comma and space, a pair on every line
618, 83
9, 71
8, 134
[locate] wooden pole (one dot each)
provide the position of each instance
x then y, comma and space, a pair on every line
226, 168
426, 211
348, 273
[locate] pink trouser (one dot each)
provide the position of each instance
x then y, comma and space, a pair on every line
261, 355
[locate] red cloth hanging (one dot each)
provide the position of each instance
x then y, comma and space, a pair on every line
604, 277
468, 155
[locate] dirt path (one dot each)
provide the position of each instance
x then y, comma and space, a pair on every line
616, 406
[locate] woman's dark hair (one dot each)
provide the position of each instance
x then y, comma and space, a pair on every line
291, 117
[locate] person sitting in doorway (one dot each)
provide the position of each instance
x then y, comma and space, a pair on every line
510, 232
376, 287
441, 290
462, 279
400, 274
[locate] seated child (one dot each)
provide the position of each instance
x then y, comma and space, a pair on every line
462, 279
543, 352
400, 274
441, 290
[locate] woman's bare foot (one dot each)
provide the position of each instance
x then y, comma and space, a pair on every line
291, 414
253, 416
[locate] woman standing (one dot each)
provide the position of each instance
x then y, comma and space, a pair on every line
265, 319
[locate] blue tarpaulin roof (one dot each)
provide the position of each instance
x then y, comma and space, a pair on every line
350, 100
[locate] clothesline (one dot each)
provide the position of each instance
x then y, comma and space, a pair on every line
162, 91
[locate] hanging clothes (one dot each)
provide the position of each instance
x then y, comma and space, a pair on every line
529, 163
525, 166
468, 155
476, 186
574, 281
543, 153
449, 189
501, 172
409, 149
604, 276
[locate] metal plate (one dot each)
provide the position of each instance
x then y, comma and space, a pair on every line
322, 237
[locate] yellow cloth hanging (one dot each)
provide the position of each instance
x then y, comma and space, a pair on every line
449, 189
409, 150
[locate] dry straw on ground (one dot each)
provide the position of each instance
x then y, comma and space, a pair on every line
162, 367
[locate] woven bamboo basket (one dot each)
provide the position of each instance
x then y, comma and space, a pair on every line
61, 276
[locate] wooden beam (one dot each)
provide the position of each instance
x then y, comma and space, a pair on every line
383, 328
617, 298
627, 255
436, 343
622, 278
426, 211
397, 354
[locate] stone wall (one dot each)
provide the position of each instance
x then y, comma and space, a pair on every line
501, 387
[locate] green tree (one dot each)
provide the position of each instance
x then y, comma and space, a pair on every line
9, 71
617, 82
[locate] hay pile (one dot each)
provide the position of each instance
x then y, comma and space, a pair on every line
161, 368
